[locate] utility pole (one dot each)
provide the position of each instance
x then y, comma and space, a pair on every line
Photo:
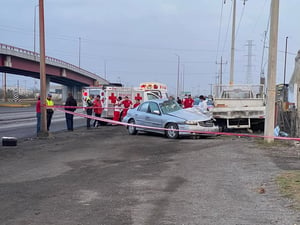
249, 65
44, 131
219, 86
221, 70
4, 87
272, 66
232, 44
285, 56
262, 73
284, 72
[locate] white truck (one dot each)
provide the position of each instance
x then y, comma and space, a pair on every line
239, 106
110, 93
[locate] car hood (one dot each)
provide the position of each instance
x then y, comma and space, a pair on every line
190, 114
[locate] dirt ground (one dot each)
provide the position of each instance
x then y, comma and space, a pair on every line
105, 176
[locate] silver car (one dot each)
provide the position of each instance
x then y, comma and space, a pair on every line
168, 118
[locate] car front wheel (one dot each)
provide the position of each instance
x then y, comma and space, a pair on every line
172, 131
131, 129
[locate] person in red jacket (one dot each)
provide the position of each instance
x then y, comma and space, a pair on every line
126, 103
188, 103
38, 115
97, 105
137, 103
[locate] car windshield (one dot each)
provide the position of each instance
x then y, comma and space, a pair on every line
169, 106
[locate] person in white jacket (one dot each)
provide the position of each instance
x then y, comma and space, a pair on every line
202, 104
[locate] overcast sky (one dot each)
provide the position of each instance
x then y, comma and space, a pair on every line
140, 40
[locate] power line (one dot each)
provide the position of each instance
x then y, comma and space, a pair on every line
226, 35
238, 28
220, 25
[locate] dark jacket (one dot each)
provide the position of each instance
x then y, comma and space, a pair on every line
70, 102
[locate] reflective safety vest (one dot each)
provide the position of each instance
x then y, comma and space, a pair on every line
49, 102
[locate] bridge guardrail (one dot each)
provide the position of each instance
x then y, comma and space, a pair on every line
49, 60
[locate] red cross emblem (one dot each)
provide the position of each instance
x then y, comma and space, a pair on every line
112, 98
138, 97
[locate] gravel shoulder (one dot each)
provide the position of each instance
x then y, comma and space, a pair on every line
105, 176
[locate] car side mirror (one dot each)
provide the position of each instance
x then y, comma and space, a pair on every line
157, 112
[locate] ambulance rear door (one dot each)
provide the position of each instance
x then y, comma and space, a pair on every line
110, 98
88, 91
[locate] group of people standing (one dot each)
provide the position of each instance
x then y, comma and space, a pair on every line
70, 105
189, 102
93, 104
120, 107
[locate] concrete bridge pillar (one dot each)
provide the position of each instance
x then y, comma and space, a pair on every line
75, 90
65, 91
47, 85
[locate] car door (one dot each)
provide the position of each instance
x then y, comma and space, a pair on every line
141, 114
154, 115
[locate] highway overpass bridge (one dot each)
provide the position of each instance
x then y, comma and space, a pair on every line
24, 62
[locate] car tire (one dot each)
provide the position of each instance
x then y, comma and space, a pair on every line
171, 133
131, 129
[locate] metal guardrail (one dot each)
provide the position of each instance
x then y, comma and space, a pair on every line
27, 54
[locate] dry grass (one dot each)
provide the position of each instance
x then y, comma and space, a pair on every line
289, 183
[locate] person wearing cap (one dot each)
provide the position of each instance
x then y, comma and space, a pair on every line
50, 110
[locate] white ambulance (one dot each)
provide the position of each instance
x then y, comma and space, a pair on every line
110, 93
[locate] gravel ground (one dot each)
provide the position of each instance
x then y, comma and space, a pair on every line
104, 176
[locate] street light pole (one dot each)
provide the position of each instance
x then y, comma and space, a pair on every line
79, 53
178, 74
182, 77
105, 69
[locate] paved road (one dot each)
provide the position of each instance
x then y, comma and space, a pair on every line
104, 176
21, 122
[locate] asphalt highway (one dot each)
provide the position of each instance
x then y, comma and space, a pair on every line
21, 122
